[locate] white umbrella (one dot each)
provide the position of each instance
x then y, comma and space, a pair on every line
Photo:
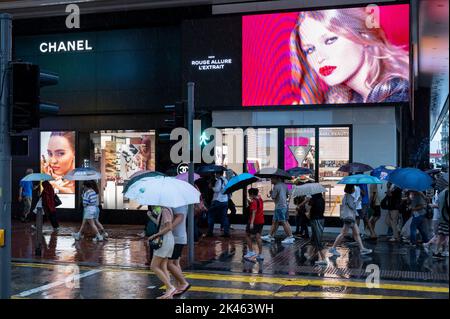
308, 189
83, 174
37, 177
163, 191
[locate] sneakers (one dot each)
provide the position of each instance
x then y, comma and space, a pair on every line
97, 238
76, 236
365, 251
250, 254
288, 240
334, 252
267, 238
260, 257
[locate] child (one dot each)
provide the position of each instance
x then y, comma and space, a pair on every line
255, 225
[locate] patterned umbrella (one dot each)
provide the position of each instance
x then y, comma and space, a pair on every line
383, 171
83, 174
355, 167
297, 171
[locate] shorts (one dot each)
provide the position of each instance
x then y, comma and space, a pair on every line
280, 214
257, 229
90, 212
26, 204
177, 251
376, 211
443, 229
349, 222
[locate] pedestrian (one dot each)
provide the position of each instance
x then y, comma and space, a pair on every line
418, 207
348, 216
91, 212
279, 195
394, 200
315, 215
26, 195
180, 240
440, 252
376, 196
219, 205
436, 220
48, 204
363, 211
301, 221
255, 225
163, 246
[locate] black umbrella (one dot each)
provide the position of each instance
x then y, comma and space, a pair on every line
298, 171
210, 169
273, 172
355, 167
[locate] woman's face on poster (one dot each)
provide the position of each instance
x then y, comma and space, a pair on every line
60, 154
333, 57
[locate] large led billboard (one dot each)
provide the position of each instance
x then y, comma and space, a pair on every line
58, 159
317, 57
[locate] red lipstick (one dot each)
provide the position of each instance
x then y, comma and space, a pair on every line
327, 70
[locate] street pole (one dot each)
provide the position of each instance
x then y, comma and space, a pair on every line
190, 120
5, 155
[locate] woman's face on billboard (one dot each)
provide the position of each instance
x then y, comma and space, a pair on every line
60, 155
333, 57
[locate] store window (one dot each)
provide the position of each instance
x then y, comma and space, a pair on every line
118, 155
262, 151
439, 146
334, 150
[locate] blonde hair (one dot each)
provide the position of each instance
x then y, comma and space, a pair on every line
386, 61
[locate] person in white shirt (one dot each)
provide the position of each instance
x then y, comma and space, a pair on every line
219, 205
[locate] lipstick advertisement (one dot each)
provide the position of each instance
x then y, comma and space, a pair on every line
335, 56
58, 159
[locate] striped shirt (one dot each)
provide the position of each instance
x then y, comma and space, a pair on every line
90, 198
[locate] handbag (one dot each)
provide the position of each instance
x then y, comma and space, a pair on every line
385, 203
156, 243
346, 213
58, 201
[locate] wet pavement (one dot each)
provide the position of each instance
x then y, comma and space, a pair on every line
118, 268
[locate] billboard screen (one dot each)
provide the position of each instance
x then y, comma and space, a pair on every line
57, 159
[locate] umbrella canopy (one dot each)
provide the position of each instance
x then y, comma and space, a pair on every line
185, 177
302, 180
360, 179
272, 172
163, 191
240, 181
355, 168
83, 174
37, 177
298, 171
210, 169
141, 174
410, 178
382, 171
308, 189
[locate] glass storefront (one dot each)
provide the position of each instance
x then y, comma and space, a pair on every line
117, 155
439, 146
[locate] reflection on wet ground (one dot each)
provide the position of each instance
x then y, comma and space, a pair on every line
220, 270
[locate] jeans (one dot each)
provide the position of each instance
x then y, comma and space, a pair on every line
218, 209
418, 223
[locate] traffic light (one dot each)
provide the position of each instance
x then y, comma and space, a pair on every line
27, 107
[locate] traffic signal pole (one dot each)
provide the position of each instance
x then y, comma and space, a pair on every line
5, 156
190, 124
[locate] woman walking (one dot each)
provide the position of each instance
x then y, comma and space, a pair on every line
91, 212
48, 204
348, 216
163, 244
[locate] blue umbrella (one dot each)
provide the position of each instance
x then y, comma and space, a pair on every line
410, 178
360, 179
383, 171
83, 174
239, 181
37, 177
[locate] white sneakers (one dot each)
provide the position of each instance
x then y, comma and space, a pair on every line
76, 236
288, 240
97, 238
267, 238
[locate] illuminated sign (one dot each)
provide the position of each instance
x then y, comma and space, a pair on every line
65, 46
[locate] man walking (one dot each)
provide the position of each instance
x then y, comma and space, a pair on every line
219, 205
180, 237
279, 195
26, 195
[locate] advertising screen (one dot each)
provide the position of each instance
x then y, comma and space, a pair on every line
335, 56
57, 159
